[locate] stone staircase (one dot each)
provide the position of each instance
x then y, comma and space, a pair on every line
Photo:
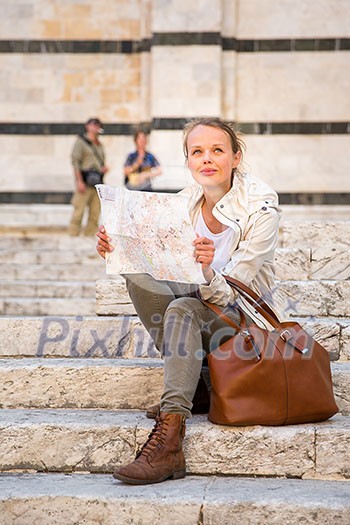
75, 385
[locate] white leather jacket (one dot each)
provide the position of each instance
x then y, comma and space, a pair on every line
251, 209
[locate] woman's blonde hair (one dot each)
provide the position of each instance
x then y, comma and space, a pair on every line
237, 143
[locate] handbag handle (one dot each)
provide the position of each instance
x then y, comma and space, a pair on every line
253, 298
240, 329
260, 305
217, 310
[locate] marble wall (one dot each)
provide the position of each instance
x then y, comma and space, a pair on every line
263, 65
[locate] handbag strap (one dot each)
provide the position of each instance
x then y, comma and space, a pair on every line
94, 150
286, 334
218, 311
253, 298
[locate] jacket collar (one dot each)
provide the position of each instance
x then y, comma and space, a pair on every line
247, 195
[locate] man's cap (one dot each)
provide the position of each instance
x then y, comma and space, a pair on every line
95, 121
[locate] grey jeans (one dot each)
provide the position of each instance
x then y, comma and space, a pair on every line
183, 329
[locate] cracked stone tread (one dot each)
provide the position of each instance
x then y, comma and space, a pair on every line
54, 499
89, 383
98, 440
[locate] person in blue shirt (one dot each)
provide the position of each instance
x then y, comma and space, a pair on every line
141, 165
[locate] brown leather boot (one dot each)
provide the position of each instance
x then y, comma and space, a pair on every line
161, 457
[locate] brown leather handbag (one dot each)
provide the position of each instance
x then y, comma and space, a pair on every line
263, 377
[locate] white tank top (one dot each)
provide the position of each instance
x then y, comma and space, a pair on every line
222, 242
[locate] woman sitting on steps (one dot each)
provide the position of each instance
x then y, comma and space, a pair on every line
236, 219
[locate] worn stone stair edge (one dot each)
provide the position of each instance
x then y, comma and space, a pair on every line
299, 298
123, 336
55, 499
98, 441
104, 383
47, 306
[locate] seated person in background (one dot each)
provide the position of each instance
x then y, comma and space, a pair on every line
140, 166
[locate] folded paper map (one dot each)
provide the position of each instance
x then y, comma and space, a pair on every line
151, 233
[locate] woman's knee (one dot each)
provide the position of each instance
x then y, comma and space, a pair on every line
183, 306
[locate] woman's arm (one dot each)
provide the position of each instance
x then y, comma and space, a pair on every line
256, 248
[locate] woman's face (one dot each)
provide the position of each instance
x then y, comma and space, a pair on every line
210, 157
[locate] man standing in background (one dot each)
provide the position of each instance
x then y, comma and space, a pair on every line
88, 159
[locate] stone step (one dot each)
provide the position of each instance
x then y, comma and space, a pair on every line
300, 298
62, 336
53, 272
41, 289
98, 441
47, 306
312, 264
57, 499
80, 383
43, 242
104, 383
290, 263
34, 215
306, 234
73, 256
124, 336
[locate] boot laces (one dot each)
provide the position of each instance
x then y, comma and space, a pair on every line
155, 439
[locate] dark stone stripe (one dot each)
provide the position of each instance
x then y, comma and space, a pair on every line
298, 44
65, 197
74, 46
174, 39
294, 128
249, 128
62, 128
267, 128
186, 39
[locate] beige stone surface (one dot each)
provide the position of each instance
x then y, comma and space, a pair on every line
48, 306
41, 241
80, 383
112, 298
200, 94
298, 162
48, 289
327, 332
74, 337
292, 264
71, 87
230, 18
314, 234
123, 336
25, 166
316, 96
89, 257
330, 264
288, 19
104, 383
53, 272
315, 298
189, 16
54, 499
98, 441
229, 86
51, 19
66, 440
276, 501
253, 450
345, 342
298, 298
333, 450
341, 386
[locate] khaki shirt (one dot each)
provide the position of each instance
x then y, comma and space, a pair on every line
251, 209
84, 158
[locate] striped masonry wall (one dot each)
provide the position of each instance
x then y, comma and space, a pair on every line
279, 70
